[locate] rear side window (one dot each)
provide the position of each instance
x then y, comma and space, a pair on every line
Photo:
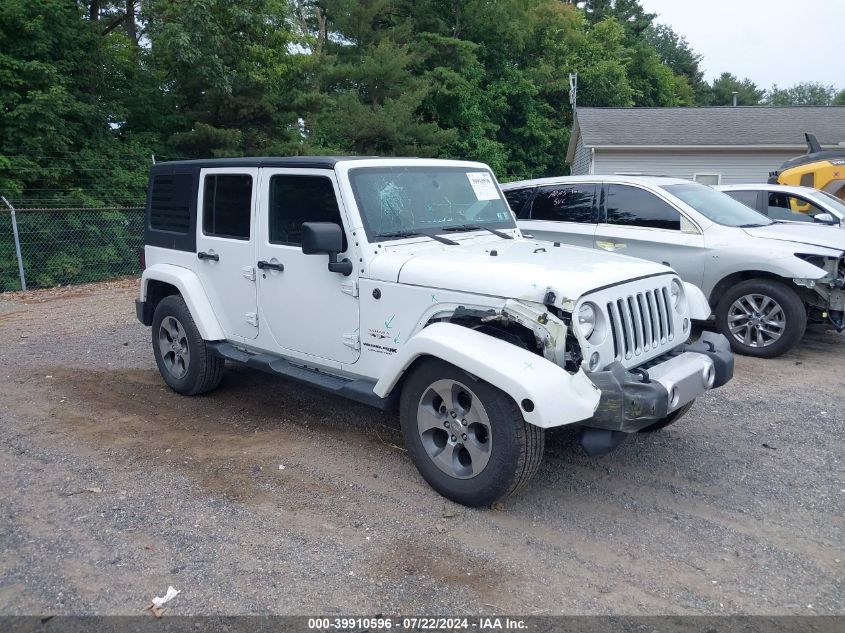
565, 203
298, 199
517, 198
227, 205
170, 203
748, 198
632, 206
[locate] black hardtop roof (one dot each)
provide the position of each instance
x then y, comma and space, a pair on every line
312, 162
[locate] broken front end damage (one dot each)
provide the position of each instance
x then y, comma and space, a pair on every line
827, 294
632, 400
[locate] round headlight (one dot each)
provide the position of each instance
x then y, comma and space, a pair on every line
677, 292
586, 319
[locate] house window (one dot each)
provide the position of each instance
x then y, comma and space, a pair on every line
708, 179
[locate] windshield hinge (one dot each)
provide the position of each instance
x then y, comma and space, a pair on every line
350, 287
252, 318
352, 340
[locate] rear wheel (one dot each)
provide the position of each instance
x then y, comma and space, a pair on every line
761, 317
180, 351
467, 438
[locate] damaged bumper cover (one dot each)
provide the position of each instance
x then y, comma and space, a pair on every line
634, 399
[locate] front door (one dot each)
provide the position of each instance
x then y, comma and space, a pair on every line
226, 247
638, 223
305, 308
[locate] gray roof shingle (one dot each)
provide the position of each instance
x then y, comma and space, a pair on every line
758, 125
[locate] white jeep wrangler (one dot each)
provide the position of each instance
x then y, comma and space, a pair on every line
405, 284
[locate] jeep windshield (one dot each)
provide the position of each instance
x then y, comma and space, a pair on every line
417, 200
717, 206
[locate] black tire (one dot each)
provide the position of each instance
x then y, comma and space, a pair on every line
515, 450
203, 371
793, 309
669, 419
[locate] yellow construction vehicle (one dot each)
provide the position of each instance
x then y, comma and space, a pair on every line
818, 168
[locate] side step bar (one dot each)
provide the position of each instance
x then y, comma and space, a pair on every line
359, 390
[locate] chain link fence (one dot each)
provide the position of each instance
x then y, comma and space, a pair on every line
69, 244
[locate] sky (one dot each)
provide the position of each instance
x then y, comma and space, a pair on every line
781, 42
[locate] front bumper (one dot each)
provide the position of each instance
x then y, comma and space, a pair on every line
634, 399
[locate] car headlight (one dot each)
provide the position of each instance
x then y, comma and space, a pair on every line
676, 290
586, 319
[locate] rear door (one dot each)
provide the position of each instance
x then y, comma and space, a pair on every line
636, 222
565, 212
226, 247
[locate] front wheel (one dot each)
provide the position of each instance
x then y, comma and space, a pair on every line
467, 438
761, 317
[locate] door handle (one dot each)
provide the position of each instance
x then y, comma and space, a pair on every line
212, 256
262, 265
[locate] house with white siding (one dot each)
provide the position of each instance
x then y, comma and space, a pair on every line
721, 145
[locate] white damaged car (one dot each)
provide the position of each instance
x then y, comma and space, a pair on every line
406, 285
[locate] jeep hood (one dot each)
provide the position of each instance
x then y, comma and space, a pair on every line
520, 269
815, 235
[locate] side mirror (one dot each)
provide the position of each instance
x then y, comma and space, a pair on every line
325, 237
825, 218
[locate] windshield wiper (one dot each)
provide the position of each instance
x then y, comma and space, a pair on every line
442, 240
753, 225
477, 227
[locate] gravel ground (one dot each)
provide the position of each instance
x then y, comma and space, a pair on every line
268, 497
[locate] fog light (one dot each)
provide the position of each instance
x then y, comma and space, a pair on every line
709, 377
594, 361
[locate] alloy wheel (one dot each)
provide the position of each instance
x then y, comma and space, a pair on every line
756, 320
454, 428
173, 345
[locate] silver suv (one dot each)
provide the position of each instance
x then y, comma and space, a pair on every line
764, 279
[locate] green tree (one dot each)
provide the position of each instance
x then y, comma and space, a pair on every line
231, 79
722, 89
674, 51
806, 93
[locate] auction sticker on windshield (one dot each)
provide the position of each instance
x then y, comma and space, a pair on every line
482, 185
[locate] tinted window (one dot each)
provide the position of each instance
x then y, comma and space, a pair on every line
630, 206
170, 203
716, 206
227, 205
748, 198
785, 207
298, 199
517, 198
565, 203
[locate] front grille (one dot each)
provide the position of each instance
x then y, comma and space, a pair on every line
641, 322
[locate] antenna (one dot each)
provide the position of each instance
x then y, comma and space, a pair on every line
573, 89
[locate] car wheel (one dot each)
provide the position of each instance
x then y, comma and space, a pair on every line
669, 419
467, 438
761, 317
180, 352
